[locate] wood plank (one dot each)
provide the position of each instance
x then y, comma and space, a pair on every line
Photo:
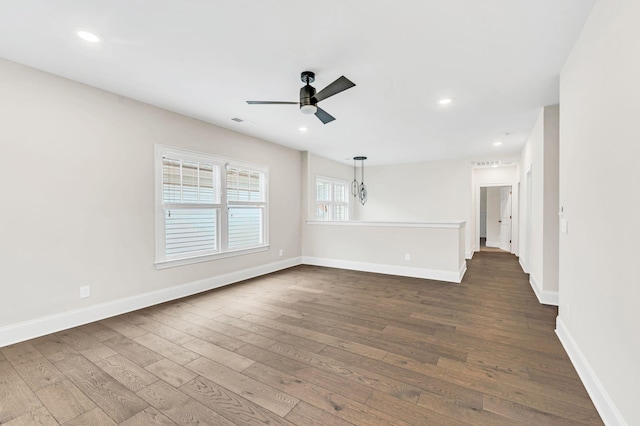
20, 353
133, 350
142, 320
64, 400
354, 373
179, 407
16, 398
39, 373
106, 392
523, 414
95, 417
37, 417
98, 353
308, 415
170, 372
264, 395
129, 374
123, 327
98, 331
229, 404
170, 350
200, 332
337, 383
424, 383
219, 355
54, 349
148, 417
330, 402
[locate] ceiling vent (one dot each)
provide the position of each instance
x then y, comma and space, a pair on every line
497, 163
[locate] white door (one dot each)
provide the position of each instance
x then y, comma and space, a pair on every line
505, 218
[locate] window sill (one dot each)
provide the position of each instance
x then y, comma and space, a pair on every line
164, 264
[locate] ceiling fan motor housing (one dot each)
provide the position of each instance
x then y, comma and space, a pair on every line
307, 100
306, 95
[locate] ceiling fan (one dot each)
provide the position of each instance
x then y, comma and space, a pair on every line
309, 98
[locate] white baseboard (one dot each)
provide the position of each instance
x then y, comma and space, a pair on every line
601, 399
461, 272
523, 265
545, 297
469, 254
494, 244
53, 323
405, 271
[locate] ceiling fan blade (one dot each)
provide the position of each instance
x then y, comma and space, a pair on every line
272, 103
324, 116
341, 84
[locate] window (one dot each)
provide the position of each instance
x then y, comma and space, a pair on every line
332, 199
208, 207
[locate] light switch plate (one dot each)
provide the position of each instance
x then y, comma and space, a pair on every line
564, 226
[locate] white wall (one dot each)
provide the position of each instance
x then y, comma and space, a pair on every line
599, 175
551, 199
314, 166
539, 226
431, 251
438, 191
78, 195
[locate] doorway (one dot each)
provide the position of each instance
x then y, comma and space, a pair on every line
495, 218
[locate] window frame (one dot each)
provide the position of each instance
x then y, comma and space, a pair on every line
331, 202
222, 208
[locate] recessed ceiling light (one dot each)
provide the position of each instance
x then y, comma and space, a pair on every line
497, 143
445, 101
494, 166
87, 36
302, 129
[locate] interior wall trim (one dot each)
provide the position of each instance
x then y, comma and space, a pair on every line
430, 274
599, 395
545, 297
494, 244
20, 332
523, 264
469, 254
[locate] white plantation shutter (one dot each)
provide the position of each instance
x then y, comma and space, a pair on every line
191, 231
332, 199
246, 198
207, 207
190, 198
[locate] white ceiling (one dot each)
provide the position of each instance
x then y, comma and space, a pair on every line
498, 59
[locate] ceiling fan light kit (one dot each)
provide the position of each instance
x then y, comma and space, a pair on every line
308, 109
309, 98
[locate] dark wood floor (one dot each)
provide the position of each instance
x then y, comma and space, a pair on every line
310, 346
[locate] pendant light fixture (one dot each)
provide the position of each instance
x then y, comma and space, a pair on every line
355, 186
359, 190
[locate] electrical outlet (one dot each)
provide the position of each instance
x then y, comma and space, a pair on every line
85, 291
407, 257
280, 252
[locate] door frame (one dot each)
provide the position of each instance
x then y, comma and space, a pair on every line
515, 213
